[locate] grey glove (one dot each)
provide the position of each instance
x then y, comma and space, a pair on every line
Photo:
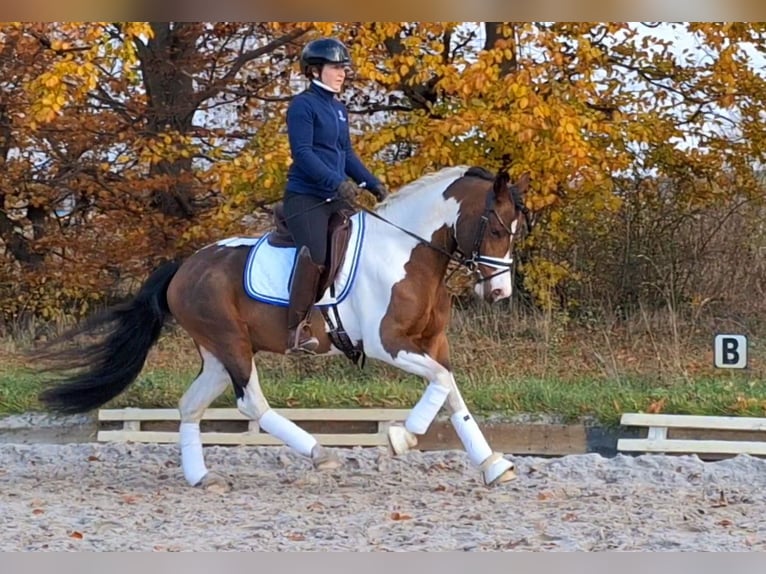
380, 192
348, 190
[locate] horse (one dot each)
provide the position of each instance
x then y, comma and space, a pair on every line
389, 300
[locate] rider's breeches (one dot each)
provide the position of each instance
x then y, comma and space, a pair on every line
307, 219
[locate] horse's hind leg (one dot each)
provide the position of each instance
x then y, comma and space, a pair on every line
209, 384
253, 404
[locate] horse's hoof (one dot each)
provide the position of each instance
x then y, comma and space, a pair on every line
214, 482
497, 470
325, 459
400, 439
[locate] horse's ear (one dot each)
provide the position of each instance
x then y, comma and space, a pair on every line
500, 185
519, 190
523, 182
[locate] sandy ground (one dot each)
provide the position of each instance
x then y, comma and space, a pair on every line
132, 497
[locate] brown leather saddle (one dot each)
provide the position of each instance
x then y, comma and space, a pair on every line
339, 232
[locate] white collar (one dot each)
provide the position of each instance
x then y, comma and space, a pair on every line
324, 86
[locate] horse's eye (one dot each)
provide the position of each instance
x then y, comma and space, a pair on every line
495, 233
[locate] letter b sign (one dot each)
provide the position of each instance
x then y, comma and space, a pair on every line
730, 351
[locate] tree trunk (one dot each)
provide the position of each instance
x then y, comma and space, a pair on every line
166, 62
14, 240
493, 32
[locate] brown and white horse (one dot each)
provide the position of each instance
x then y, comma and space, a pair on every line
397, 308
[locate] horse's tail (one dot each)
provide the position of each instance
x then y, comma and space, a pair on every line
111, 363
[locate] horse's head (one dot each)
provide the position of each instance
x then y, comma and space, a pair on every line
490, 213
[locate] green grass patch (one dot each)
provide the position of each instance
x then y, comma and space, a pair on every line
504, 364
341, 386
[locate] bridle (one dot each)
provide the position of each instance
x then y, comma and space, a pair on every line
473, 261
475, 258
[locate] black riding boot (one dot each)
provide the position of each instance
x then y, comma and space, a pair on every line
303, 295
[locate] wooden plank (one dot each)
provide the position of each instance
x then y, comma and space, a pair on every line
692, 446
343, 428
513, 438
133, 414
253, 439
133, 417
694, 421
324, 426
715, 434
132, 425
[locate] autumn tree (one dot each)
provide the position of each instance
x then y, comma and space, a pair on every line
162, 136
110, 164
589, 109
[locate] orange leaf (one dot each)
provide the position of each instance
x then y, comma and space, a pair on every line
400, 516
76, 535
656, 406
38, 511
296, 536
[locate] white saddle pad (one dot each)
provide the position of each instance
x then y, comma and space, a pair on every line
269, 269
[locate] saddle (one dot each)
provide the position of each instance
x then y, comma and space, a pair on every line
338, 230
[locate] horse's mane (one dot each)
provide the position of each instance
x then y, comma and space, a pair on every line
447, 173
480, 172
436, 179
431, 178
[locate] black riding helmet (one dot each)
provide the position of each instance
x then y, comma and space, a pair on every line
324, 51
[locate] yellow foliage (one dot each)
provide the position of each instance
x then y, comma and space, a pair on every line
561, 99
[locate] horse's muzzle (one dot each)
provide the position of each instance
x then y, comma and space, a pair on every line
492, 293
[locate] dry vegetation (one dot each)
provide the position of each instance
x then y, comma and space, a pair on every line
631, 328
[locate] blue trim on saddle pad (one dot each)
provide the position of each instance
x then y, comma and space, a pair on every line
269, 270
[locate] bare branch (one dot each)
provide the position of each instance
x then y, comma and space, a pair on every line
243, 59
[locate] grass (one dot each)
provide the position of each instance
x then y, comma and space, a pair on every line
528, 365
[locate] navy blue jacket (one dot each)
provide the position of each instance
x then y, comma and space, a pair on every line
317, 128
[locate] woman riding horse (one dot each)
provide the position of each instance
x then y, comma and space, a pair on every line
317, 181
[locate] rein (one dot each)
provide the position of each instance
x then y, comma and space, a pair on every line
472, 262
475, 259
415, 236
461, 260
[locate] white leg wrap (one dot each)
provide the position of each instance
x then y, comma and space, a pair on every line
472, 438
288, 432
426, 409
192, 460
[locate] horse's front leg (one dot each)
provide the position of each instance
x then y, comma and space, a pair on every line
442, 388
495, 468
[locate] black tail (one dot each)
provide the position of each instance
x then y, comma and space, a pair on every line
111, 363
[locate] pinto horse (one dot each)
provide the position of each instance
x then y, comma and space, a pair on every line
393, 303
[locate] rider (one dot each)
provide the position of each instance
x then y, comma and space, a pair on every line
318, 182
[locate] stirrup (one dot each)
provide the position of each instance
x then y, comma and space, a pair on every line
307, 345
